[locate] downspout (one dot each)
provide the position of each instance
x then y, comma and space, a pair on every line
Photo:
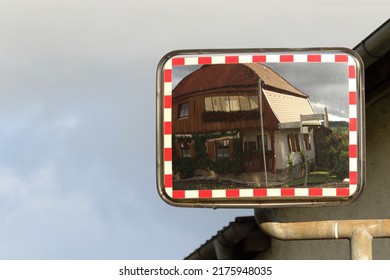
359, 232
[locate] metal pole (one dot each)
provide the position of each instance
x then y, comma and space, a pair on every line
304, 151
262, 131
306, 166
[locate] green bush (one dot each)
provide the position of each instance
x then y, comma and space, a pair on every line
341, 168
338, 152
223, 166
185, 167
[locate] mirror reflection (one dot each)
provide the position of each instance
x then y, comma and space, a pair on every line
260, 125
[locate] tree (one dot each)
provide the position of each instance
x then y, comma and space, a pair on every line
337, 143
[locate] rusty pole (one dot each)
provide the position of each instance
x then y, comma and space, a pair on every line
359, 232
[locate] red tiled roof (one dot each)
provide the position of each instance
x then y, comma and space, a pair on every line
215, 76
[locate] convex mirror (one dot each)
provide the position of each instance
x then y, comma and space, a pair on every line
260, 128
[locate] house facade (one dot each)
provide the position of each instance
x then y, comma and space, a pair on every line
245, 109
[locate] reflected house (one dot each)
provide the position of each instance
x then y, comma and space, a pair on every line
223, 101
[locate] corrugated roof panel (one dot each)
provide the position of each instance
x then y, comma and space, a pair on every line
288, 108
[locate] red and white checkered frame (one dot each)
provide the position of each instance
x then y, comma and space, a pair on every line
261, 193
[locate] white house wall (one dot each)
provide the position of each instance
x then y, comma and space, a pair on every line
252, 136
282, 150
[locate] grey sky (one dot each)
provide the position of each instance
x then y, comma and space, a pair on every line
326, 85
77, 114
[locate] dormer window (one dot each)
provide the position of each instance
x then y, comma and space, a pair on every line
231, 103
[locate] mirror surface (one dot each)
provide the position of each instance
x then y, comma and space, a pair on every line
261, 127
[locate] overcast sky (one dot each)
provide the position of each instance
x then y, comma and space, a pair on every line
326, 84
77, 114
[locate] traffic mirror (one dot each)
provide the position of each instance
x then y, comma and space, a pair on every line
260, 128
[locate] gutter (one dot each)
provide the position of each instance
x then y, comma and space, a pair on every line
359, 232
376, 45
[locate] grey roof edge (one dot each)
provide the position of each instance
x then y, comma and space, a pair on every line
375, 45
226, 238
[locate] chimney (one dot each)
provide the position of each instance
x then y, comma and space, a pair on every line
326, 119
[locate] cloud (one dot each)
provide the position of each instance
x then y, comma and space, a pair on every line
325, 83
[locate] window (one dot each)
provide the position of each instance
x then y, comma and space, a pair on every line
216, 103
293, 143
254, 102
231, 103
225, 103
234, 104
249, 146
222, 148
183, 110
208, 104
260, 139
244, 103
185, 149
306, 139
